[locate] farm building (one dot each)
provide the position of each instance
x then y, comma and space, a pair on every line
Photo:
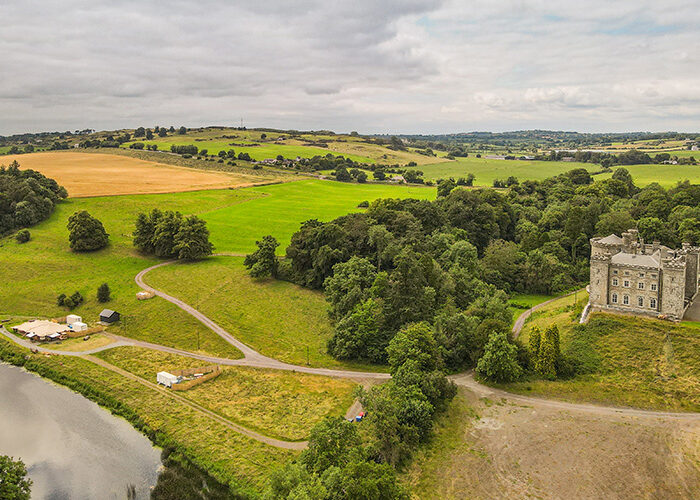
78, 326
109, 316
167, 379
41, 330
73, 318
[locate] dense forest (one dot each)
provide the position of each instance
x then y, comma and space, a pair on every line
26, 197
451, 263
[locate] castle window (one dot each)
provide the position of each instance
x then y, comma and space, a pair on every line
640, 285
626, 300
615, 282
640, 301
652, 303
613, 299
626, 283
627, 273
641, 275
653, 275
615, 271
653, 287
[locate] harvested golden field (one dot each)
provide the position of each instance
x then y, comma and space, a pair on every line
90, 174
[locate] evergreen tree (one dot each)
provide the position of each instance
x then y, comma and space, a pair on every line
546, 362
103, 293
534, 341
165, 232
263, 262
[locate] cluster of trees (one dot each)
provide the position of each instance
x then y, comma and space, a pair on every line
450, 263
26, 197
170, 235
185, 149
70, 302
343, 463
86, 233
607, 160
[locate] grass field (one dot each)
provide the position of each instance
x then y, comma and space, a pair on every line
278, 404
665, 175
278, 319
231, 457
286, 206
629, 361
251, 142
85, 174
38, 271
485, 170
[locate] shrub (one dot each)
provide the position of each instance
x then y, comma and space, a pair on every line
23, 236
61, 300
363, 204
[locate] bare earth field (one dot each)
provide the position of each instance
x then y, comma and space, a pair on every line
89, 174
492, 448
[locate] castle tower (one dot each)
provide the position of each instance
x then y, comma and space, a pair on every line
673, 287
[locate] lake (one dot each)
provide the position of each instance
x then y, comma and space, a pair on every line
71, 446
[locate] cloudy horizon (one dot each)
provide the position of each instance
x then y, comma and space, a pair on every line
415, 66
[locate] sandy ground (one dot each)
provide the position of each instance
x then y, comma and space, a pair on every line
512, 450
90, 174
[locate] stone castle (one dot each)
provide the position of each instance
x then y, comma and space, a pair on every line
631, 276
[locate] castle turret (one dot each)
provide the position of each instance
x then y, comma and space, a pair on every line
673, 287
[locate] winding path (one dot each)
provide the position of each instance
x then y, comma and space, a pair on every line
253, 358
520, 322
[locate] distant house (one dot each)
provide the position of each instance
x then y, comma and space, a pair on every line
109, 316
398, 179
568, 158
41, 330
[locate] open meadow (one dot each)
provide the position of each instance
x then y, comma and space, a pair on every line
38, 271
627, 361
86, 174
486, 170
278, 404
287, 145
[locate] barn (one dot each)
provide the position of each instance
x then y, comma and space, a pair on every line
108, 316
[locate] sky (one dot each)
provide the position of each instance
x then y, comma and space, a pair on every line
412, 66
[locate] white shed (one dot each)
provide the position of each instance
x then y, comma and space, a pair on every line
73, 318
78, 326
167, 379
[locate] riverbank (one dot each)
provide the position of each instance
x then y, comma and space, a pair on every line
229, 458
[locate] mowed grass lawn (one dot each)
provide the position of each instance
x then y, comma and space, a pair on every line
630, 361
279, 319
485, 170
278, 404
229, 456
35, 273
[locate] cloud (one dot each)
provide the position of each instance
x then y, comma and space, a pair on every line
391, 66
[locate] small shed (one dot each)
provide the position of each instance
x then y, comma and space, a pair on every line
166, 379
109, 316
78, 326
73, 318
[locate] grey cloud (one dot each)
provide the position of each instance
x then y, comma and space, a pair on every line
413, 66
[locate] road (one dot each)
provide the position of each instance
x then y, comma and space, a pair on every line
252, 358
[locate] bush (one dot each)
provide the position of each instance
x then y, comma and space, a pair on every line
23, 236
363, 204
61, 300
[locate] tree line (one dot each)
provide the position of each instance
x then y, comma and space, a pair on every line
26, 197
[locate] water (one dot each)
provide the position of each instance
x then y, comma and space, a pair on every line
73, 449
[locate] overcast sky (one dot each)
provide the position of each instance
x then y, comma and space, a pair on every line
414, 66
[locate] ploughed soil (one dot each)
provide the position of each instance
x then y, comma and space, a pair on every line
495, 448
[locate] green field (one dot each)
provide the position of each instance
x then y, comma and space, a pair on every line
38, 271
630, 361
485, 170
277, 318
285, 206
665, 175
278, 404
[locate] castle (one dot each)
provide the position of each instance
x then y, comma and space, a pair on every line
630, 276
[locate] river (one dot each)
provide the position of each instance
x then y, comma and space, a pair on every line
73, 449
